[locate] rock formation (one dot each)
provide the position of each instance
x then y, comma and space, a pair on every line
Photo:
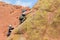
9, 15
43, 23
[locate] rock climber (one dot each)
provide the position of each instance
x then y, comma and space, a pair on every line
10, 30
23, 16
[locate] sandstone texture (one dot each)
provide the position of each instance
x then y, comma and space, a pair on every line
9, 15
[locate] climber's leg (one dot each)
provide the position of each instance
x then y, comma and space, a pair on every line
22, 18
9, 30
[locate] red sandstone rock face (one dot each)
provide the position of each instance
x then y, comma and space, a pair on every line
9, 15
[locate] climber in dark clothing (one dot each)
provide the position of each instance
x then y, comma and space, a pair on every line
9, 30
22, 17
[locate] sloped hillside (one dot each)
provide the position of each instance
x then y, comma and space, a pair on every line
9, 15
41, 24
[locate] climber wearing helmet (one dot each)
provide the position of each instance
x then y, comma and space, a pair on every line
22, 17
9, 30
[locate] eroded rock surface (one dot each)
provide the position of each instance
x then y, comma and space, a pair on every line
9, 15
